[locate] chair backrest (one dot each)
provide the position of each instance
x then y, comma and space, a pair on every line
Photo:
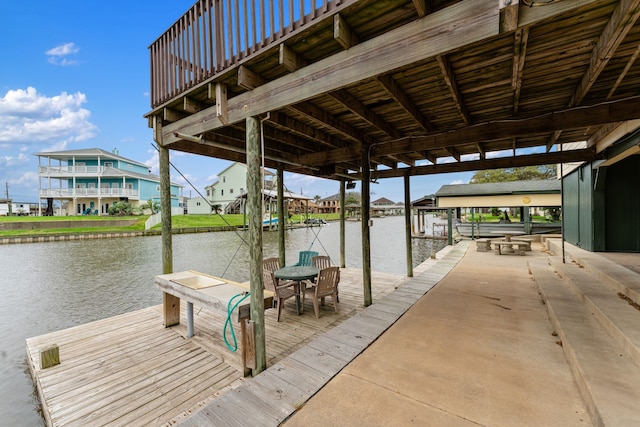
327, 281
304, 258
321, 261
271, 264
269, 281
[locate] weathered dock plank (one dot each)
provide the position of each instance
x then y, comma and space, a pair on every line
130, 370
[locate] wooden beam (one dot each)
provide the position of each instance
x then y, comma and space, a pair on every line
169, 115
450, 79
583, 155
462, 24
222, 110
289, 59
622, 21
190, 105
624, 72
422, 7
520, 42
481, 151
248, 79
395, 91
508, 15
352, 103
598, 114
342, 32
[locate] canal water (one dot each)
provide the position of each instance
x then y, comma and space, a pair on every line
46, 287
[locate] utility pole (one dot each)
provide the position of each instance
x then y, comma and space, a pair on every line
6, 184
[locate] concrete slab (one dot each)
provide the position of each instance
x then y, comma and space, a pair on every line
476, 349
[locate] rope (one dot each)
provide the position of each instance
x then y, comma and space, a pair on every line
228, 324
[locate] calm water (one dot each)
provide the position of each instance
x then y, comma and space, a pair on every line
51, 286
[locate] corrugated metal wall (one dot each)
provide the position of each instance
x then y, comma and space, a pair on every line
622, 206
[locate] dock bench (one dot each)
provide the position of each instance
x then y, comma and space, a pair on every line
526, 240
483, 245
507, 247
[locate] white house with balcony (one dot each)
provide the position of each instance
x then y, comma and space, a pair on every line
89, 181
231, 184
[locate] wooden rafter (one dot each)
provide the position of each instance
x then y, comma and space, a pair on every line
395, 91
622, 21
452, 84
354, 105
521, 38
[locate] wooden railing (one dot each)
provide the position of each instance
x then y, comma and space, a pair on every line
216, 34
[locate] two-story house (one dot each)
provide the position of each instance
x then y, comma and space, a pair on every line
89, 181
231, 184
329, 204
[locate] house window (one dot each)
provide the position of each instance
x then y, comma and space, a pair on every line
108, 164
231, 191
157, 188
222, 192
241, 190
224, 179
208, 193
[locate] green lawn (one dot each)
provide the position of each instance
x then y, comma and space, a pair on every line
178, 221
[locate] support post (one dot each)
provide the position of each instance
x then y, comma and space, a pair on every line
170, 303
407, 224
254, 206
366, 237
449, 226
282, 216
343, 209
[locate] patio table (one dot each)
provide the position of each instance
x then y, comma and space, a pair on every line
297, 273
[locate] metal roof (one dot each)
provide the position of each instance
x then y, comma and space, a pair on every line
551, 186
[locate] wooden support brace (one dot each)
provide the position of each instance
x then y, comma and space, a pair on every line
248, 346
49, 356
342, 32
171, 310
508, 15
289, 59
221, 102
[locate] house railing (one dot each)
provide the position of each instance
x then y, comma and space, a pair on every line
216, 34
89, 192
70, 170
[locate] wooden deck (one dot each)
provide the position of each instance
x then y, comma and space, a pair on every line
130, 370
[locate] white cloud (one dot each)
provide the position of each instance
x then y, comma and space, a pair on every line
27, 116
458, 182
58, 55
11, 161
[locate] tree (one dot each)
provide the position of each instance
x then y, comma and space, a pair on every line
121, 209
153, 206
316, 199
352, 199
526, 173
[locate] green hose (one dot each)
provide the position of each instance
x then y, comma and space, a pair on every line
227, 323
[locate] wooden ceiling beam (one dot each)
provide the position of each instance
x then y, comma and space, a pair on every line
622, 21
587, 154
305, 130
400, 96
624, 72
520, 41
598, 114
450, 79
354, 105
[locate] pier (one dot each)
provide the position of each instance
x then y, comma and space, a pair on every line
131, 370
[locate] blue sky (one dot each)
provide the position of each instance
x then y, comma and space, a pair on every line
75, 74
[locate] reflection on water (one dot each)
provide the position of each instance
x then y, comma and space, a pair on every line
51, 286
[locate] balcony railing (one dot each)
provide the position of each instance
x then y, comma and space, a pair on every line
69, 193
70, 170
216, 34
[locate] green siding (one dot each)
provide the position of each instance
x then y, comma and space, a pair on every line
622, 204
578, 208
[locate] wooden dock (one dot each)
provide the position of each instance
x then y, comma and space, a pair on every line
130, 370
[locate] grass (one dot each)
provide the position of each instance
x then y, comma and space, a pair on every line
178, 221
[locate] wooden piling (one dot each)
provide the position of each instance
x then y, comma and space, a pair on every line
254, 205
